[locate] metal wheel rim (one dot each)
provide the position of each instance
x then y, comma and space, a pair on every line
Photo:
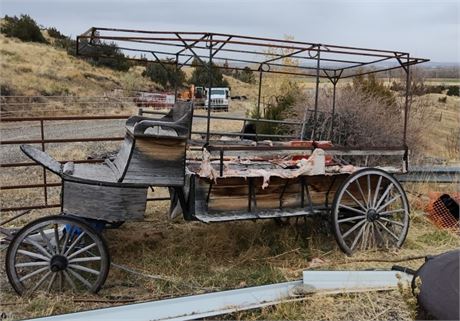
32, 257
390, 225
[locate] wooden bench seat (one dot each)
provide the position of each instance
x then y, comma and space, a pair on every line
117, 190
145, 158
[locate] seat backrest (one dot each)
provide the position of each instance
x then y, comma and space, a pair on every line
155, 159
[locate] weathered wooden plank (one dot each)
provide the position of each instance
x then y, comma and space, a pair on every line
231, 194
42, 158
122, 158
94, 173
107, 203
158, 161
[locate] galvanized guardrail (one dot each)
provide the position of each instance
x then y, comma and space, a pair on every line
432, 174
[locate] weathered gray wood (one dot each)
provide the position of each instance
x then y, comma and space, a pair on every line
231, 195
122, 159
42, 158
241, 215
157, 161
268, 153
107, 203
94, 173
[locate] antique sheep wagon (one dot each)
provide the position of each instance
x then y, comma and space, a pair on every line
237, 179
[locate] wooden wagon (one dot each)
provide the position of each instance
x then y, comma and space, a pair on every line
240, 180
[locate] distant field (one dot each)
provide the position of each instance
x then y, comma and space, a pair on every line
439, 81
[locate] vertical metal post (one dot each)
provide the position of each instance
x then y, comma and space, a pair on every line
334, 83
406, 115
176, 78
258, 100
406, 103
315, 115
260, 91
209, 90
42, 135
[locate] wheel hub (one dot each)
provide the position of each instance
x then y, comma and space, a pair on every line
372, 215
58, 263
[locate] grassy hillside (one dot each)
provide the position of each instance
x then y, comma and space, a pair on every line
34, 69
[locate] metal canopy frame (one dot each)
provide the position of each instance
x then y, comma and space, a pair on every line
262, 55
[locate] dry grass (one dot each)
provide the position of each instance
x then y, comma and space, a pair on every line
195, 257
33, 69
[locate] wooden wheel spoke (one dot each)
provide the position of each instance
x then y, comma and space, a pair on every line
51, 282
388, 230
361, 192
66, 239
369, 193
56, 238
378, 232
348, 219
83, 268
85, 259
389, 187
34, 255
80, 278
26, 264
86, 248
69, 280
37, 285
391, 221
31, 274
352, 209
38, 246
47, 241
358, 236
388, 213
377, 188
356, 201
388, 203
353, 228
61, 281
74, 243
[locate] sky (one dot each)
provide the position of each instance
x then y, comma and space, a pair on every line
427, 29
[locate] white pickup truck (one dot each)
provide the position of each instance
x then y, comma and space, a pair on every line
220, 98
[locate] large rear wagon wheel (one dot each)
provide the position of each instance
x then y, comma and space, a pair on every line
370, 211
57, 253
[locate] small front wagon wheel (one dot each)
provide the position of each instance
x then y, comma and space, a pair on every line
57, 253
370, 211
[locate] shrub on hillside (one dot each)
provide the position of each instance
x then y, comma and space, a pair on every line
453, 91
200, 75
278, 109
24, 28
56, 34
106, 54
165, 74
246, 75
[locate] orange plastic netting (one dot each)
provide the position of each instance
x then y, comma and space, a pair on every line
439, 214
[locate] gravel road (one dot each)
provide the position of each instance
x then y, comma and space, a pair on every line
59, 130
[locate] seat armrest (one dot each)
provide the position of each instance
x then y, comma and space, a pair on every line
42, 158
140, 127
